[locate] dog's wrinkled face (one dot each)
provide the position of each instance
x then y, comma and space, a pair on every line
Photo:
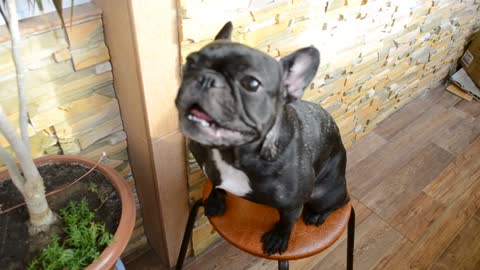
230, 93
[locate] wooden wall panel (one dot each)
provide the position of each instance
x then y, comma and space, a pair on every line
142, 38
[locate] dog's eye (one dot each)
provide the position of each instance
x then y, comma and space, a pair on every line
250, 83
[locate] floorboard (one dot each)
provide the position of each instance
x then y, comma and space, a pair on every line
417, 216
398, 190
463, 252
364, 148
458, 176
386, 161
457, 138
409, 113
232, 259
373, 238
471, 108
440, 232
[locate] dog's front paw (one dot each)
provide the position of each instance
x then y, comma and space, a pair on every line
214, 206
276, 240
312, 218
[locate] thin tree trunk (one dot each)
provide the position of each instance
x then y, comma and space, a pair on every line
41, 217
17, 42
33, 191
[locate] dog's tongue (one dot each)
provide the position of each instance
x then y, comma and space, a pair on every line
201, 114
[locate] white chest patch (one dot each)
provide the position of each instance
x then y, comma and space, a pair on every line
233, 180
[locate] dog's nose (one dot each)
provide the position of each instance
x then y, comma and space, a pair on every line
207, 81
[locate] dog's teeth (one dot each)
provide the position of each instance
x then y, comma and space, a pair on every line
204, 123
193, 118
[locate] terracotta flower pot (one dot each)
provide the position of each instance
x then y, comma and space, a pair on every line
110, 254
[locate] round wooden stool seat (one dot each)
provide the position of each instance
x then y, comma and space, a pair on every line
244, 223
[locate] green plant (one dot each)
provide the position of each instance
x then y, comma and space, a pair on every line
93, 188
84, 240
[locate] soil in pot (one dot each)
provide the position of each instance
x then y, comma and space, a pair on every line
17, 248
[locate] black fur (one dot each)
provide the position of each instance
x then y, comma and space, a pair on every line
290, 149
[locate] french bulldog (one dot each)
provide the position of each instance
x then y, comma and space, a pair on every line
253, 137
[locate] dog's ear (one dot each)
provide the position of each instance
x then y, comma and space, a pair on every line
299, 69
225, 32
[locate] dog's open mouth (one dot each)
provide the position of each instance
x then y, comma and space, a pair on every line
198, 115
200, 118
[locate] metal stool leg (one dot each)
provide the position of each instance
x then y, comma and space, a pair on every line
282, 265
350, 239
188, 233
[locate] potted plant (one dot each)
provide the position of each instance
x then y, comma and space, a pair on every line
24, 171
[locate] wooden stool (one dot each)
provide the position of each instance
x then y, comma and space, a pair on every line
244, 223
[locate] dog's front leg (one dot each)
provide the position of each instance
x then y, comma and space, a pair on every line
215, 203
276, 240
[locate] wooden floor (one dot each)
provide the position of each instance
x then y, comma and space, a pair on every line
415, 183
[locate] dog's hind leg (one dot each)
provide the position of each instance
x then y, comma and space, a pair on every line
312, 217
329, 193
317, 210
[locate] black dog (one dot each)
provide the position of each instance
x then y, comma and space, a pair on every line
254, 138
